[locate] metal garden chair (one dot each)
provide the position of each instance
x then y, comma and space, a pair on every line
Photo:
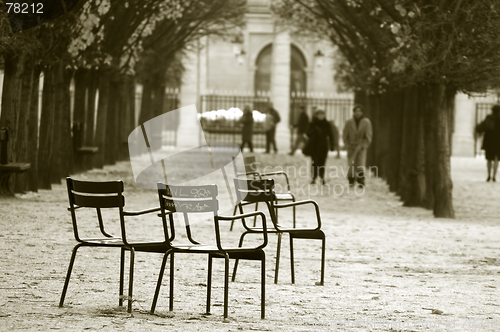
253, 195
251, 169
187, 200
105, 195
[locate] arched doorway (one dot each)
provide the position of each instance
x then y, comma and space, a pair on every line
262, 80
298, 84
298, 75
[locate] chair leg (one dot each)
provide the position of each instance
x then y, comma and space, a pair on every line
131, 280
68, 274
293, 210
277, 259
209, 283
171, 291
122, 271
263, 288
255, 217
236, 261
291, 259
323, 248
160, 278
232, 221
226, 284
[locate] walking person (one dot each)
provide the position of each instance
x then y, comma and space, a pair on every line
335, 132
247, 128
357, 137
490, 127
272, 120
320, 141
301, 125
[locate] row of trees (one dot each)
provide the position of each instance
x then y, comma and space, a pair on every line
406, 60
105, 47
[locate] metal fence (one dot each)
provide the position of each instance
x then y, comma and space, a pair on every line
170, 103
338, 110
228, 130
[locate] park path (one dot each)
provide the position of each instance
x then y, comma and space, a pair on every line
385, 263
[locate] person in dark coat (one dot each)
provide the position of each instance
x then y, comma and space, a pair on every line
247, 129
335, 132
272, 120
301, 125
490, 127
320, 140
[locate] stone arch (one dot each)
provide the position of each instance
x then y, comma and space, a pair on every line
263, 71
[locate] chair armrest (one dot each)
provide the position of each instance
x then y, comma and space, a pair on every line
242, 216
138, 213
255, 173
304, 202
278, 173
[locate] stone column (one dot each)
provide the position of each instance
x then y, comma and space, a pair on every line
280, 87
189, 131
463, 137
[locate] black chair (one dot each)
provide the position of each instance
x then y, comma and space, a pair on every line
105, 195
188, 200
252, 171
253, 193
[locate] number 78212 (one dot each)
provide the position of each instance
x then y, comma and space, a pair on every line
24, 8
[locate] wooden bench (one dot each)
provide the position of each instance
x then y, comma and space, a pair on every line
80, 150
8, 169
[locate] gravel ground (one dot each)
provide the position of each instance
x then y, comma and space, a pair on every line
389, 268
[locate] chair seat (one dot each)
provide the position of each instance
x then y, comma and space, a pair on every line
204, 248
306, 233
139, 245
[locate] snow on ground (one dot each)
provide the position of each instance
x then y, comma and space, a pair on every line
387, 266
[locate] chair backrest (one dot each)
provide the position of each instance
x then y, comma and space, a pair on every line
250, 164
255, 190
187, 200
98, 195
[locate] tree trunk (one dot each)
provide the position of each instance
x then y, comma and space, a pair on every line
46, 130
410, 190
112, 121
102, 113
12, 100
66, 145
56, 169
89, 136
440, 98
21, 146
128, 124
33, 125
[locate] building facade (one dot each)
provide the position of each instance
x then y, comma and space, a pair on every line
266, 60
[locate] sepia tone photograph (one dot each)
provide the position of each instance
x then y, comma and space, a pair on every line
339, 157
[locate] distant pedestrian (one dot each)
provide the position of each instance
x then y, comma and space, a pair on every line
490, 127
247, 129
357, 136
301, 125
272, 120
335, 132
320, 141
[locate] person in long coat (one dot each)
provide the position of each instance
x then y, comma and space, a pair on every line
490, 127
320, 141
357, 137
301, 125
247, 128
272, 120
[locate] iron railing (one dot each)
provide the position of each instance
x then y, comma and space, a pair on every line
338, 110
229, 130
